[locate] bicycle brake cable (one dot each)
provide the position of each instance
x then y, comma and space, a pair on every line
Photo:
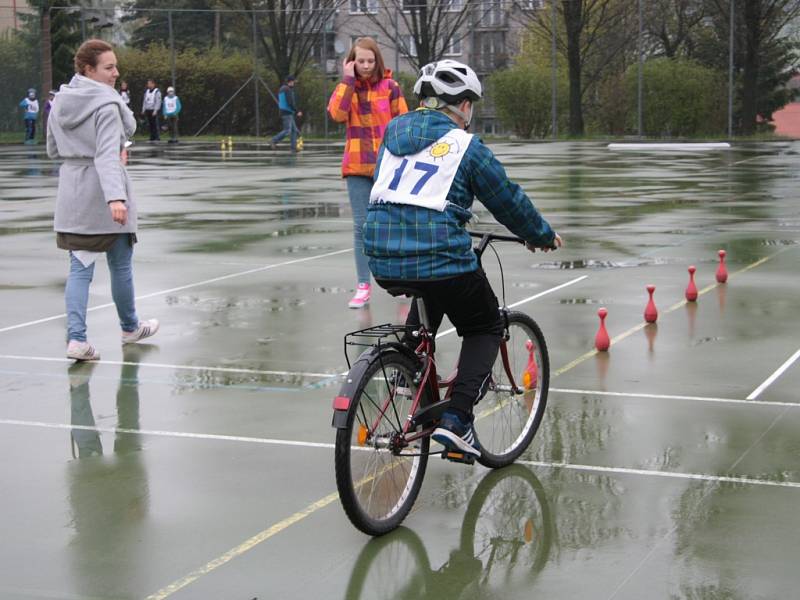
502, 277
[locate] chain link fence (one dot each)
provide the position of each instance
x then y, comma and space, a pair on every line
551, 69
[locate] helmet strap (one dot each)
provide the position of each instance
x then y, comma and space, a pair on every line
467, 118
436, 103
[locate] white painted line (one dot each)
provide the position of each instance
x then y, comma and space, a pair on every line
670, 474
176, 434
521, 302
756, 392
671, 146
675, 397
327, 446
178, 367
186, 287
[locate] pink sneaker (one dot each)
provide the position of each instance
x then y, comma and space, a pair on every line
361, 299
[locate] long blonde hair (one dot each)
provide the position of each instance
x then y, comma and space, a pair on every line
367, 43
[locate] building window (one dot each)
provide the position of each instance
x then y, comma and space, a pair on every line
454, 47
490, 13
408, 46
360, 7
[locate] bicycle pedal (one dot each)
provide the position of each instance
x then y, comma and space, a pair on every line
460, 457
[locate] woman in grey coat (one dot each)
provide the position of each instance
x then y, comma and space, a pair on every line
95, 211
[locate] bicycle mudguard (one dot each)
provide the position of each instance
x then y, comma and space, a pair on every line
341, 403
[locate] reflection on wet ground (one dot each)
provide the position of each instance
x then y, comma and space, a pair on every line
652, 475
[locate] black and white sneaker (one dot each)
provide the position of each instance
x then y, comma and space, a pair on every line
456, 435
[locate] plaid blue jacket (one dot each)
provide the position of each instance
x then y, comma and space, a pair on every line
414, 243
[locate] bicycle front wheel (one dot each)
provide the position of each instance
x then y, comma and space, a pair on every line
378, 475
508, 416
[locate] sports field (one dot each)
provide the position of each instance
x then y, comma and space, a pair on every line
201, 465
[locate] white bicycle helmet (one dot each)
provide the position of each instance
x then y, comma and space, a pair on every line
449, 80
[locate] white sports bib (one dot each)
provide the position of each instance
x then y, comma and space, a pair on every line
170, 103
421, 179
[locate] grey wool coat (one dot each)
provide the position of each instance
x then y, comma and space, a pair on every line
88, 127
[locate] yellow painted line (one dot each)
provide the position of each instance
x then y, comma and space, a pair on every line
676, 306
258, 538
242, 548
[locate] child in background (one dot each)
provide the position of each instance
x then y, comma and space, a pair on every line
31, 107
172, 108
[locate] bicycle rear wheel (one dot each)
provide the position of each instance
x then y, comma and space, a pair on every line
378, 482
506, 420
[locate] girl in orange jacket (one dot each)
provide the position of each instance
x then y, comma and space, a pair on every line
366, 99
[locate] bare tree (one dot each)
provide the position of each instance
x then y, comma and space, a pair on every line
423, 30
288, 30
672, 23
595, 33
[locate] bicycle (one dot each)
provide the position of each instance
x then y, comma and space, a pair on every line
505, 541
390, 404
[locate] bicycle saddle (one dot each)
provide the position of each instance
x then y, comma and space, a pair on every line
404, 291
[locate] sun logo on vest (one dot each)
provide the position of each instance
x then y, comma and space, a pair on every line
443, 147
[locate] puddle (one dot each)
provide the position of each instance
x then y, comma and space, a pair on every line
593, 264
707, 340
779, 242
581, 301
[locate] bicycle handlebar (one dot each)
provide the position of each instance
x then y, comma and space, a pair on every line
487, 237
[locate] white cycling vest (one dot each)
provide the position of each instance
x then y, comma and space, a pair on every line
421, 179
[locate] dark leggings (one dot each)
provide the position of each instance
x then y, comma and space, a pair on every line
470, 304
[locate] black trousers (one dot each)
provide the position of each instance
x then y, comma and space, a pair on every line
470, 304
152, 121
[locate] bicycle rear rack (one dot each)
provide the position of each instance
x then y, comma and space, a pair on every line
374, 336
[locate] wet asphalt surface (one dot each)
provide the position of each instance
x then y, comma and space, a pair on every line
661, 470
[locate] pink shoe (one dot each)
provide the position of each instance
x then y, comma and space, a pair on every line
361, 299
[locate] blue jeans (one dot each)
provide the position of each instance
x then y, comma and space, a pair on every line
358, 189
76, 295
289, 127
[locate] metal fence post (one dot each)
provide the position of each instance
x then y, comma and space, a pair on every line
255, 77
730, 74
639, 75
555, 70
171, 47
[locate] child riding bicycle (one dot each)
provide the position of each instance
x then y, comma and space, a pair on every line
429, 171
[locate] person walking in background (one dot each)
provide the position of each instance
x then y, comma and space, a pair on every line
366, 99
172, 108
125, 93
31, 107
287, 104
95, 210
151, 106
48, 106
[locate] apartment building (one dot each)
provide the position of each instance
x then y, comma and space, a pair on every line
9, 14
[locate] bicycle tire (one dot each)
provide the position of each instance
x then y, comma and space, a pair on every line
377, 488
394, 567
506, 422
508, 526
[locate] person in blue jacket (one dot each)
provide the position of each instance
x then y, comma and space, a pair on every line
287, 104
171, 106
31, 107
428, 173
